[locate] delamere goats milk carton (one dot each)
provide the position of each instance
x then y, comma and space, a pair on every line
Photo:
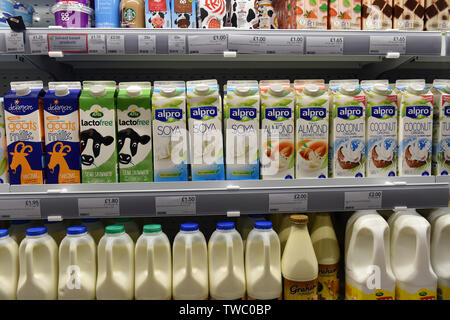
347, 132
415, 130
381, 128
170, 139
3, 151
98, 132
312, 129
241, 120
277, 130
134, 132
62, 132
25, 132
441, 154
204, 107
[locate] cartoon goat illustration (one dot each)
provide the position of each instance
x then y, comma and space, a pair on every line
27, 175
57, 159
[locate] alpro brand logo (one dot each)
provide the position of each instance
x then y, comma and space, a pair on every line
278, 114
350, 112
168, 115
96, 113
418, 112
383, 112
17, 107
203, 112
242, 114
447, 111
134, 113
313, 113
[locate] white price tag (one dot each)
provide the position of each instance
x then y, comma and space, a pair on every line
14, 42
23, 208
115, 44
324, 45
98, 207
288, 202
385, 44
179, 205
147, 44
96, 44
363, 200
267, 44
68, 42
38, 44
208, 44
177, 44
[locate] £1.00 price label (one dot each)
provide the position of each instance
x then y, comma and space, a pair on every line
98, 207
20, 208
178, 205
363, 200
208, 44
288, 202
268, 44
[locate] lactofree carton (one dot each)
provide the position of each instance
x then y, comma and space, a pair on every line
241, 119
62, 132
204, 107
3, 150
312, 129
347, 131
134, 132
98, 132
415, 128
170, 140
25, 132
381, 128
277, 130
441, 92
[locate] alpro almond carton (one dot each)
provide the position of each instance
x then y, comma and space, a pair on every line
441, 92
415, 128
277, 130
381, 128
347, 129
312, 129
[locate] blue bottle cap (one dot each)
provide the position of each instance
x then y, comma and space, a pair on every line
3, 233
38, 231
264, 225
20, 221
76, 230
225, 225
189, 226
89, 220
256, 216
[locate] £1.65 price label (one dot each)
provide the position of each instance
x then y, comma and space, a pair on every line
20, 208
288, 202
178, 205
325, 45
98, 207
363, 200
385, 44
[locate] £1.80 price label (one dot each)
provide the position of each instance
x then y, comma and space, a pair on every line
98, 207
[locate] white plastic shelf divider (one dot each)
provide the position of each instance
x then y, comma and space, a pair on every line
222, 197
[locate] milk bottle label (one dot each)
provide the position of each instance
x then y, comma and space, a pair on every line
300, 290
328, 287
421, 294
354, 293
443, 292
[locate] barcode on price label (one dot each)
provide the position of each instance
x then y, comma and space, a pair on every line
23, 208
288, 202
98, 207
324, 45
178, 205
363, 200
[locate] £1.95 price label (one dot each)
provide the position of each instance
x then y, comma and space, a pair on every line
98, 207
20, 208
363, 200
177, 205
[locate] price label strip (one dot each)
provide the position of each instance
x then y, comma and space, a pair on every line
179, 205
325, 45
96, 44
208, 44
363, 200
77, 43
23, 208
98, 207
288, 202
177, 44
147, 44
115, 44
14, 42
385, 44
38, 44
267, 44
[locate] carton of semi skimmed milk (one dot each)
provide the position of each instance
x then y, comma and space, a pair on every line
381, 128
134, 132
277, 129
415, 128
3, 151
98, 132
170, 139
347, 132
441, 92
311, 135
204, 107
241, 115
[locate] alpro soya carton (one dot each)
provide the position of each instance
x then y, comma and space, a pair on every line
25, 132
441, 92
415, 130
170, 140
347, 131
3, 151
134, 132
312, 129
98, 132
62, 132
277, 129
204, 107
381, 128
241, 120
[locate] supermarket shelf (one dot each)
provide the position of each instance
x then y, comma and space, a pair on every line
444, 179
220, 197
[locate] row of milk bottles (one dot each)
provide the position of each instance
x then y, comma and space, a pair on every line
406, 257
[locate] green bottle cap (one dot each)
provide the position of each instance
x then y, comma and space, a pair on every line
152, 228
123, 220
115, 229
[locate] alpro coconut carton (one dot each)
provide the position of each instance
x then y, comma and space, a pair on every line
441, 92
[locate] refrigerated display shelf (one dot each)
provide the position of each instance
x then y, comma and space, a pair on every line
232, 198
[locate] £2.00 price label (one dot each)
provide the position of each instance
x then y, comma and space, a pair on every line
288, 202
363, 200
115, 44
20, 208
176, 205
98, 207
325, 45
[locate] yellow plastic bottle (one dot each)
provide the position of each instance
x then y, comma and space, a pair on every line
9, 266
299, 264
